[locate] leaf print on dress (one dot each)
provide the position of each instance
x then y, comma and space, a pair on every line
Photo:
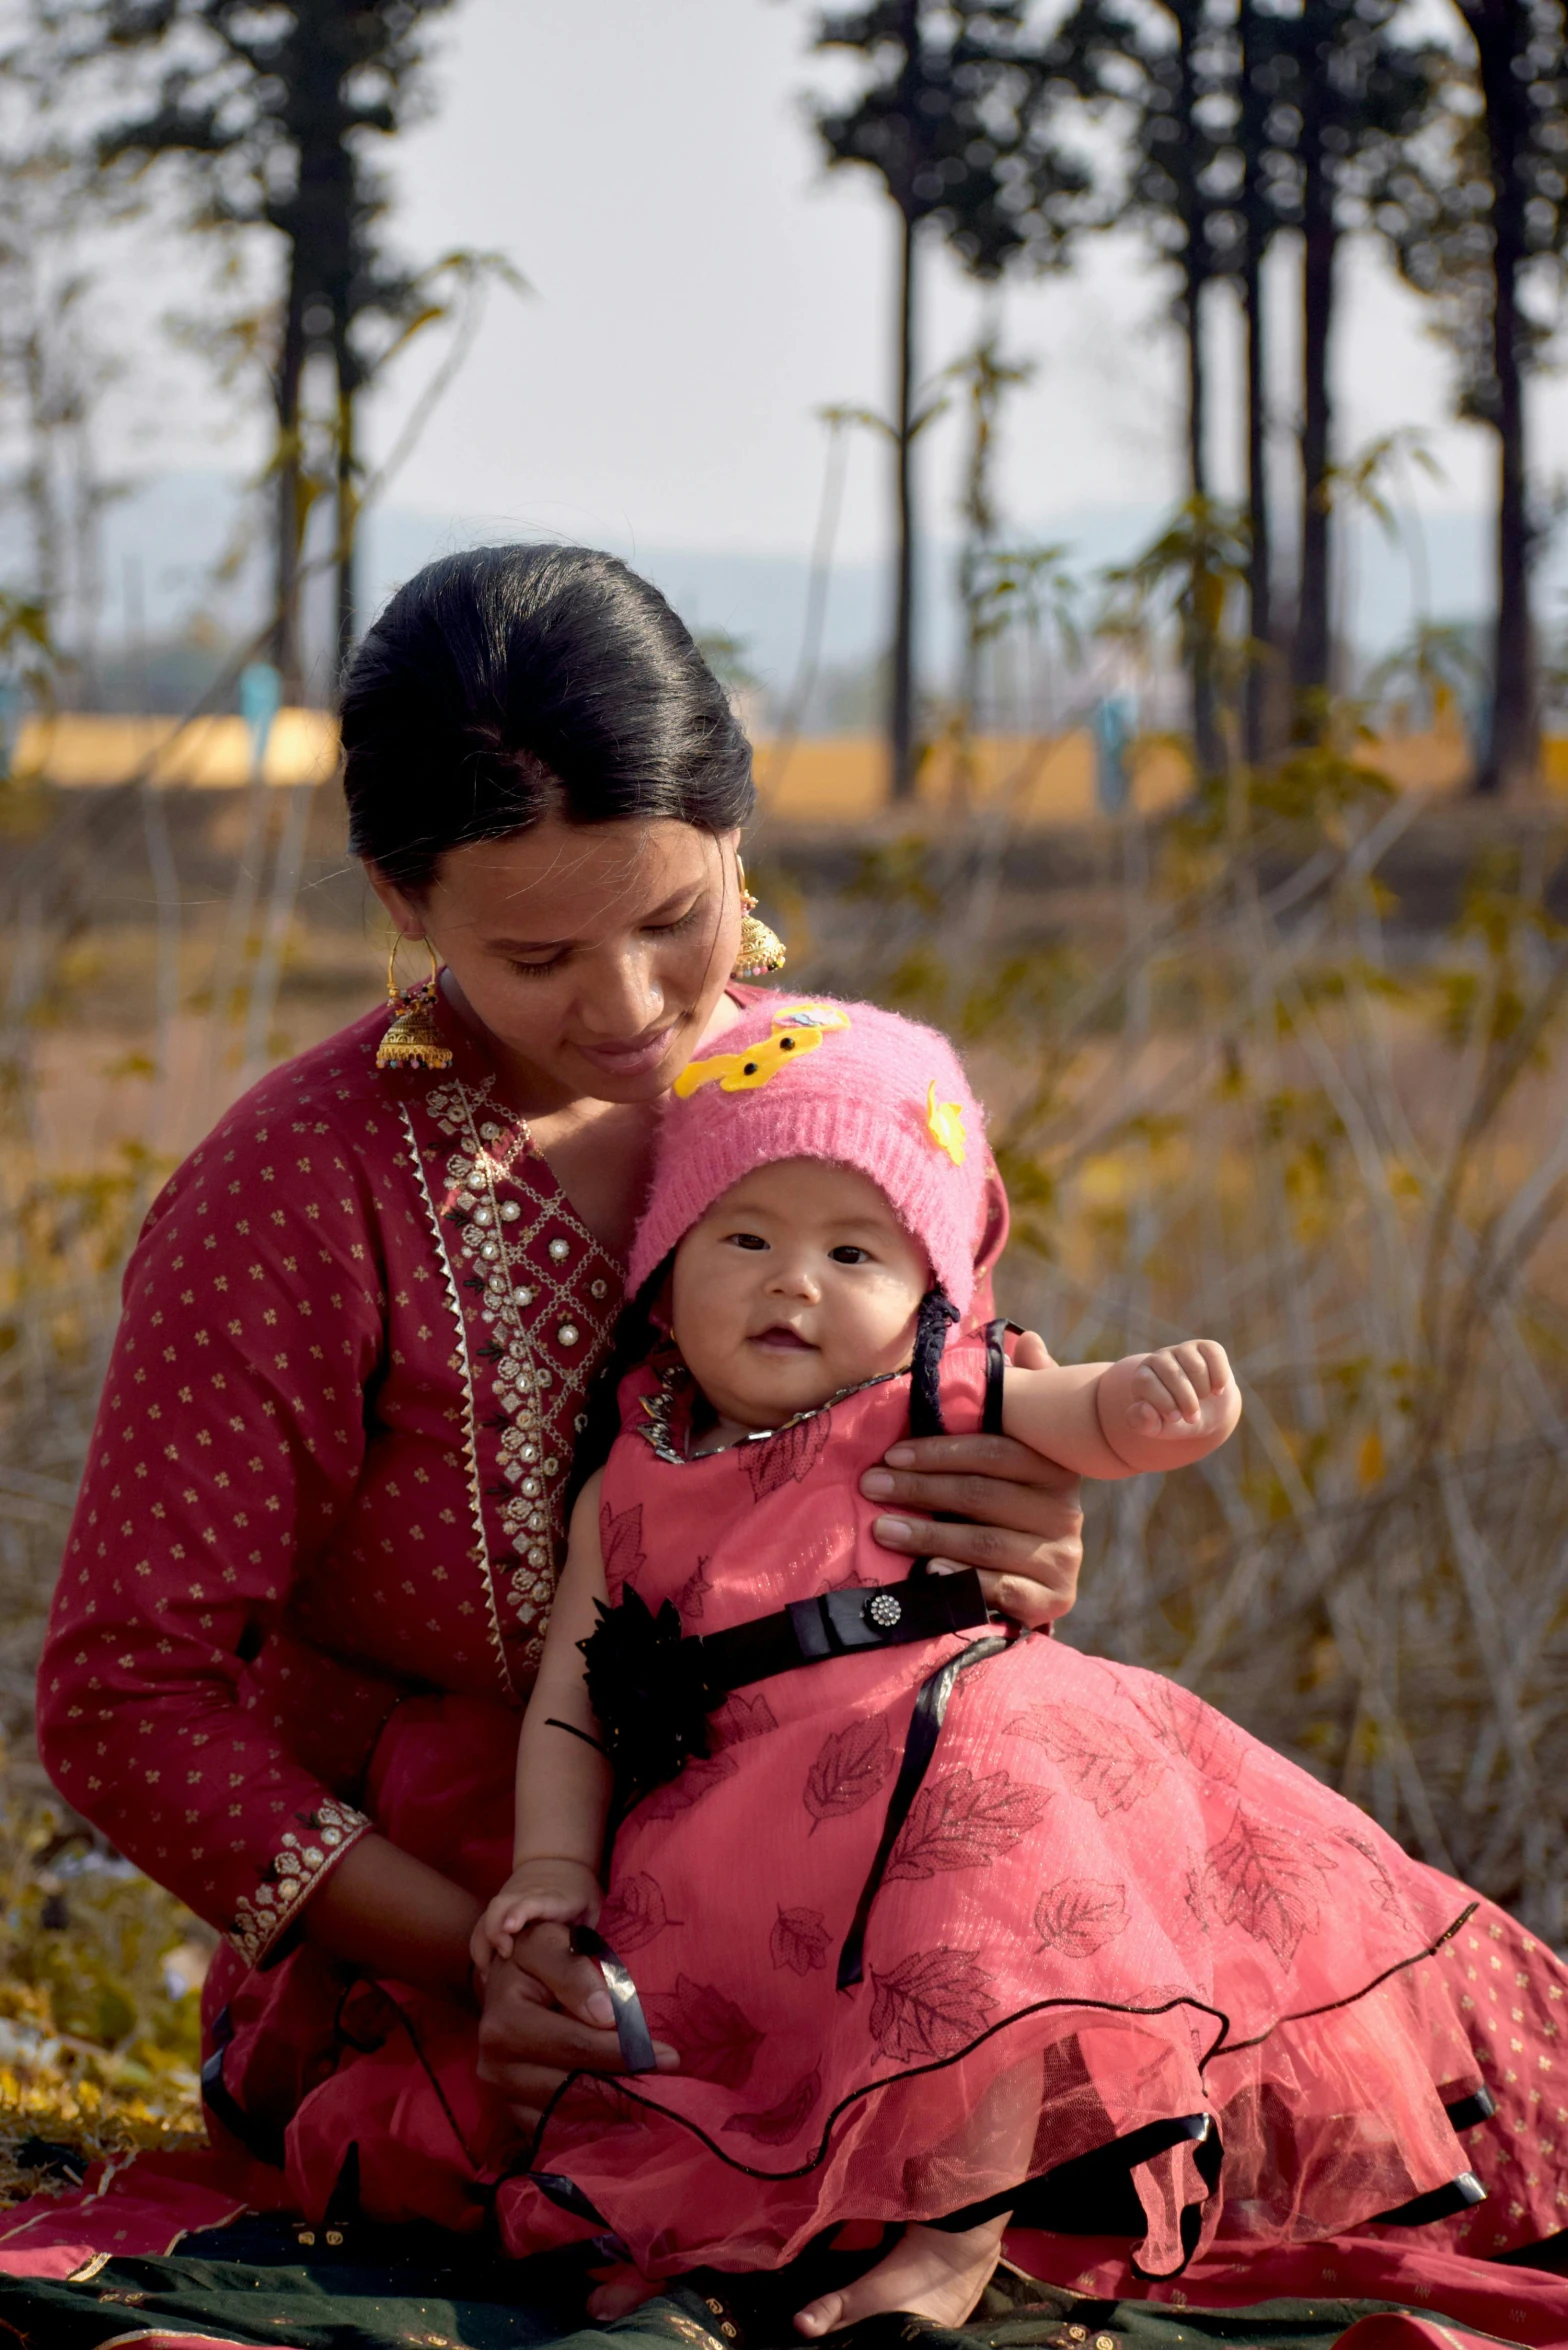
692, 1593
932, 2004
620, 1537
1113, 1770
800, 1940
773, 1460
1266, 1883
688, 1787
853, 1763
716, 2041
633, 1914
1080, 1915
780, 2122
1384, 1890
741, 1717
960, 1822
1213, 1747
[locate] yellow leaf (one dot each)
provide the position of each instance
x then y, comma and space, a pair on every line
1370, 1464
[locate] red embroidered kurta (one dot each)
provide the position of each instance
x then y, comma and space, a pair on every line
327, 1471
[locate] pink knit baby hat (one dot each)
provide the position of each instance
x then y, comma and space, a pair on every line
803, 1077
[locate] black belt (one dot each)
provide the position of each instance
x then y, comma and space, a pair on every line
839, 1623
653, 1689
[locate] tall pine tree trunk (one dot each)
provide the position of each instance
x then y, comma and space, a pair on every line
1313, 653
1513, 754
901, 708
289, 490
1257, 227
346, 491
1260, 547
1206, 744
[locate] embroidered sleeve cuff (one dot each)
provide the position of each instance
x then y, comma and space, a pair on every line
305, 1853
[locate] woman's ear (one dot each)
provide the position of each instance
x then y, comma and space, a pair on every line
404, 911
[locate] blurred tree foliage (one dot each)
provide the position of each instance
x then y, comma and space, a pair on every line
268, 116
1484, 234
55, 376
1236, 122
1345, 89
955, 113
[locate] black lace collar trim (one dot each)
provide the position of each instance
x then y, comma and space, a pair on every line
667, 1416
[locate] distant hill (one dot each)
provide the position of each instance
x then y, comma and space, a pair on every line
165, 541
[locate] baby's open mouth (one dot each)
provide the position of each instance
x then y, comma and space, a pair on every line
779, 1340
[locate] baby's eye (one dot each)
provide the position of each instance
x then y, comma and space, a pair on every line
848, 1254
745, 1240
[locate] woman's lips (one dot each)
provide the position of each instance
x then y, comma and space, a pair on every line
633, 1059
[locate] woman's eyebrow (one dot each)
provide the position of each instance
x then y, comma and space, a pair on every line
546, 946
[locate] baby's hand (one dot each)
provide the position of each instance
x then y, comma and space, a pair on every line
565, 1891
1178, 1393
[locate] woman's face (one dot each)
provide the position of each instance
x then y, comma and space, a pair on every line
591, 954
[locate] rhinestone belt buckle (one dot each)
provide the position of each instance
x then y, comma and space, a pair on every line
883, 1612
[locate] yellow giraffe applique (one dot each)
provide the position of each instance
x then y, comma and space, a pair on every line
798, 1029
945, 1125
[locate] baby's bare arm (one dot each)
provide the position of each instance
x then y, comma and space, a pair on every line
1147, 1412
563, 1781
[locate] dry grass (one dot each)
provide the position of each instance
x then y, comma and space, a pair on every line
1231, 1091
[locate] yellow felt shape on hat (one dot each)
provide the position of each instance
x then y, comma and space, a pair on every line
945, 1125
797, 1029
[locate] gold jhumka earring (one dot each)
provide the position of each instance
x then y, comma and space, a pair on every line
761, 949
412, 1039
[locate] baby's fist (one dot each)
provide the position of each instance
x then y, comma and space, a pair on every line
539, 1892
1182, 1391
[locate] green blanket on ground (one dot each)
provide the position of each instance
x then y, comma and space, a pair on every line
346, 2306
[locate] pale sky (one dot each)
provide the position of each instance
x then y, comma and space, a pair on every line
702, 289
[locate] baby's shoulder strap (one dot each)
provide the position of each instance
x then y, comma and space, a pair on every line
996, 1372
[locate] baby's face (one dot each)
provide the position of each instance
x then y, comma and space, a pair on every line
800, 1280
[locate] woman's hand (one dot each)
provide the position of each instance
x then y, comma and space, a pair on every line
547, 2013
1018, 1516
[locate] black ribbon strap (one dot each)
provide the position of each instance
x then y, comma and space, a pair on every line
995, 1373
925, 1727
1092, 2194
631, 2025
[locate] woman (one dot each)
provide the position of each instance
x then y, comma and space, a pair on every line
324, 1500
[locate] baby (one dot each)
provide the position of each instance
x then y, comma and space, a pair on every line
926, 1909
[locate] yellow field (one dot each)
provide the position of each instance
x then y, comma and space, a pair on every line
1031, 780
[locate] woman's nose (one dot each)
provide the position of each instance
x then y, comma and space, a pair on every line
622, 997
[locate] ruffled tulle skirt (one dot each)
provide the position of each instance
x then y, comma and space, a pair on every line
1126, 1968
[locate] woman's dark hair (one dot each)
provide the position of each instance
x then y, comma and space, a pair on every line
512, 683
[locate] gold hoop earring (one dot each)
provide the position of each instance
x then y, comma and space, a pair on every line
761, 949
412, 1038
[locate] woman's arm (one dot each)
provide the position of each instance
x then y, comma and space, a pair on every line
563, 1778
393, 1915
228, 1446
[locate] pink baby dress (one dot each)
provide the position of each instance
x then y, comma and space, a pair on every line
1123, 1968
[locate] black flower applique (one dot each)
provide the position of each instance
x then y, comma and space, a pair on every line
646, 1686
